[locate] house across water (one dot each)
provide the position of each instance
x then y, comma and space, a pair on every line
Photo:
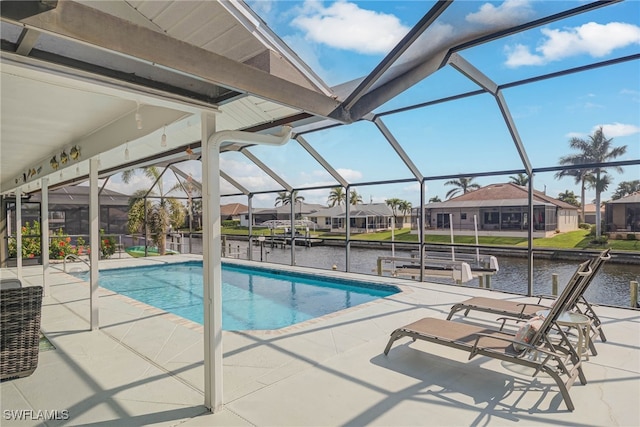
501, 209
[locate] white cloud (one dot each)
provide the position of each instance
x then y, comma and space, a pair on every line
575, 135
593, 39
613, 130
344, 25
634, 94
349, 174
508, 12
519, 55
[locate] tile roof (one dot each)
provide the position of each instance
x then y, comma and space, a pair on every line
233, 209
631, 198
500, 193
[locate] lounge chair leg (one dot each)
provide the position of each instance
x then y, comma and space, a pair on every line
456, 308
395, 335
601, 332
564, 390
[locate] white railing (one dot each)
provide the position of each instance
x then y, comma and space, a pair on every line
75, 258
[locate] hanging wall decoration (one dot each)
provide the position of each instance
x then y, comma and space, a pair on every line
75, 152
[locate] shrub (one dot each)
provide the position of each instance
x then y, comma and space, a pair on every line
60, 245
229, 223
107, 245
602, 240
631, 236
592, 232
81, 247
584, 225
30, 245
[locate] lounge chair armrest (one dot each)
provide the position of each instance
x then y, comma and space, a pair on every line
545, 296
528, 304
504, 320
474, 351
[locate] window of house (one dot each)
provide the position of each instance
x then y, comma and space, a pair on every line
443, 220
463, 216
492, 217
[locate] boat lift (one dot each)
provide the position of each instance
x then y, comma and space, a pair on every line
459, 271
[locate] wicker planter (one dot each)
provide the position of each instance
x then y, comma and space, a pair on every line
20, 311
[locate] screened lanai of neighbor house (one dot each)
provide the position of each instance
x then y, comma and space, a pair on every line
212, 92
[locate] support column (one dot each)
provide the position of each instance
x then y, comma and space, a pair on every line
212, 267
421, 229
293, 228
44, 216
250, 219
530, 239
347, 232
19, 233
211, 245
94, 243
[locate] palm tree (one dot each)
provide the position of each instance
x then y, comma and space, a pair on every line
520, 179
354, 198
625, 188
337, 196
394, 203
596, 149
405, 207
580, 176
599, 185
435, 199
161, 212
462, 184
569, 196
285, 198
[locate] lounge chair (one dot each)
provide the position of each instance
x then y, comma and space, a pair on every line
541, 352
20, 310
528, 310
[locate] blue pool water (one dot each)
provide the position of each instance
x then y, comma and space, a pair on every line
252, 298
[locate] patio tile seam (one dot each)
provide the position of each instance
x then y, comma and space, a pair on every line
155, 364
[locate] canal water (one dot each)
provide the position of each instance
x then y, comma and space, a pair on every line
611, 286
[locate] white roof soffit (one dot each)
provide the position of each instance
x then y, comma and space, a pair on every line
175, 45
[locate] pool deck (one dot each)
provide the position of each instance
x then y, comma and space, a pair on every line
145, 367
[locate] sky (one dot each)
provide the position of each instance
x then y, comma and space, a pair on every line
344, 40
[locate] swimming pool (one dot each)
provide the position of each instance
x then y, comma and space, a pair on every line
252, 298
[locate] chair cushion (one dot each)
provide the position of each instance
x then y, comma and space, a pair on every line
527, 331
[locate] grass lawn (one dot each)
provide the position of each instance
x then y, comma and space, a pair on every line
572, 240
